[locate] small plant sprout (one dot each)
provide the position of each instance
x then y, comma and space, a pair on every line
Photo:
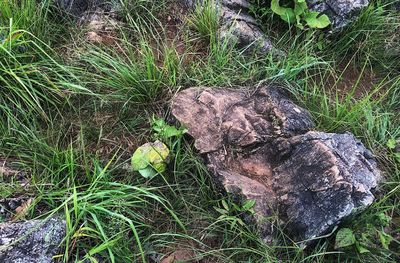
166, 131
231, 212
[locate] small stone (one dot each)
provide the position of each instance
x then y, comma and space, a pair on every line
9, 207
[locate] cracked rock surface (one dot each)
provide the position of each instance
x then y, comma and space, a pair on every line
31, 241
340, 12
260, 146
238, 26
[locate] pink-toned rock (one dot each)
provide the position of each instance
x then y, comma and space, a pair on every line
259, 146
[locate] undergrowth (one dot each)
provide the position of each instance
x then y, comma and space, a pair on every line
72, 124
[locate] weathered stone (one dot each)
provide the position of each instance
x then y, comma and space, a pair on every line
323, 179
238, 27
340, 12
259, 145
31, 241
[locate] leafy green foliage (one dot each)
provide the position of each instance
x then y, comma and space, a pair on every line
373, 236
391, 144
394, 147
166, 131
300, 15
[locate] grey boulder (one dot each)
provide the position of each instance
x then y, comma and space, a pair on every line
260, 146
340, 12
34, 241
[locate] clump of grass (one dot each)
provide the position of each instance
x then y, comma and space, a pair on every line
132, 75
32, 80
205, 19
367, 38
34, 16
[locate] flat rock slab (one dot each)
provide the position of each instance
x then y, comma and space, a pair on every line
260, 146
33, 241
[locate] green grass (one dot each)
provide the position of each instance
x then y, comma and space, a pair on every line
73, 122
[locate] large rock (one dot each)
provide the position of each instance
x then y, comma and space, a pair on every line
340, 12
238, 27
31, 241
259, 145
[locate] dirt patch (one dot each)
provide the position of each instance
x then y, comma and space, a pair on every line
350, 80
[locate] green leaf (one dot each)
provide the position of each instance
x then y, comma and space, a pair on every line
391, 144
385, 239
139, 161
300, 8
361, 249
148, 172
344, 238
383, 219
221, 211
166, 131
248, 205
313, 20
225, 205
286, 14
171, 131
150, 159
